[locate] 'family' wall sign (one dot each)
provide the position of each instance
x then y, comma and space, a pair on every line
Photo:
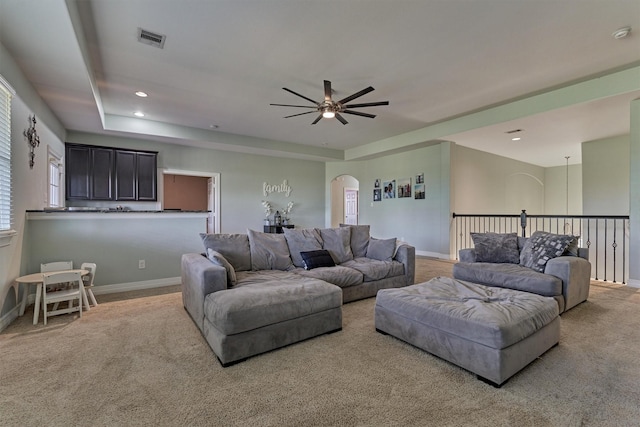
276, 188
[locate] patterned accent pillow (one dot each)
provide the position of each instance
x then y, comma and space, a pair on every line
572, 249
496, 247
543, 246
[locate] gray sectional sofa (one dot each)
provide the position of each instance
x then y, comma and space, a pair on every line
255, 292
546, 264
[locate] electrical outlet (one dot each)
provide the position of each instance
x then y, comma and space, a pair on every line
141, 264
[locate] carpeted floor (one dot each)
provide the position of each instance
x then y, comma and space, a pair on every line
138, 359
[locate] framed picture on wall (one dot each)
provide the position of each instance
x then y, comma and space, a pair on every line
376, 183
419, 191
420, 179
377, 194
404, 188
389, 189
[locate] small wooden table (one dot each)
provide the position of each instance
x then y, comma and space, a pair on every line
277, 228
37, 279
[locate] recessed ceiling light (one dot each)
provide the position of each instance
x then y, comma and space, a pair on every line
516, 139
141, 94
138, 114
621, 33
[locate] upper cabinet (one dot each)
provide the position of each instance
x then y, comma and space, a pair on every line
104, 173
78, 172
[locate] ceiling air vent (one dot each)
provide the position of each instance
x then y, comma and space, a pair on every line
150, 38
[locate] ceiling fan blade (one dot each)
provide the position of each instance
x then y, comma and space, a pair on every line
327, 90
358, 113
301, 96
341, 119
299, 106
368, 104
317, 119
299, 114
356, 95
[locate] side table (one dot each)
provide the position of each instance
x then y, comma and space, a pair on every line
277, 228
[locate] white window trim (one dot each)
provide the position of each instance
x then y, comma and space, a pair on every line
54, 157
7, 234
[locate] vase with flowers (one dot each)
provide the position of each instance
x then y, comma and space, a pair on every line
267, 211
285, 213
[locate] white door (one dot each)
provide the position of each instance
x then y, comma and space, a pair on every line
211, 206
351, 206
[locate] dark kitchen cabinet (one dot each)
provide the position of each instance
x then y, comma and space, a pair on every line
104, 173
101, 176
78, 172
125, 175
146, 176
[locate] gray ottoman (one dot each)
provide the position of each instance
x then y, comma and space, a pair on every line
492, 332
253, 319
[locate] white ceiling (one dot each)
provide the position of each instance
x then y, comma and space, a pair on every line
225, 61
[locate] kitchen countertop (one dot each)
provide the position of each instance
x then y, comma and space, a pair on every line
107, 210
112, 214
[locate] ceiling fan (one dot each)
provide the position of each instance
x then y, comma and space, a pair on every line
330, 108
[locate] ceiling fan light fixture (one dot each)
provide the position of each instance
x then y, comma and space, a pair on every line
329, 108
328, 114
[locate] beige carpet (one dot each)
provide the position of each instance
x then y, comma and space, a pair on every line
138, 359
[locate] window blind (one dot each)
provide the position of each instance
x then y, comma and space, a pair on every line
6, 203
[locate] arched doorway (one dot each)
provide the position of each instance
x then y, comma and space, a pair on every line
345, 198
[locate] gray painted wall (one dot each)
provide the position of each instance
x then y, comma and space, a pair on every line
556, 194
488, 184
422, 223
605, 176
115, 242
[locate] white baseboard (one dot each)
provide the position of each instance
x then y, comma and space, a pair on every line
633, 283
433, 255
136, 286
9, 317
124, 287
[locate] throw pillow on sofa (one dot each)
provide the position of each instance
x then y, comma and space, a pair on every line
381, 249
269, 251
359, 239
302, 240
218, 259
338, 242
543, 246
234, 247
316, 259
496, 247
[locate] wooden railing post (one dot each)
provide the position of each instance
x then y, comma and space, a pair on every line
523, 221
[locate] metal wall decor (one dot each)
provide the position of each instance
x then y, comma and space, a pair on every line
32, 139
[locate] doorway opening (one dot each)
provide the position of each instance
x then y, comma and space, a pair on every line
345, 199
192, 191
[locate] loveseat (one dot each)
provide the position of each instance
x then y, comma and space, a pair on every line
547, 264
255, 292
